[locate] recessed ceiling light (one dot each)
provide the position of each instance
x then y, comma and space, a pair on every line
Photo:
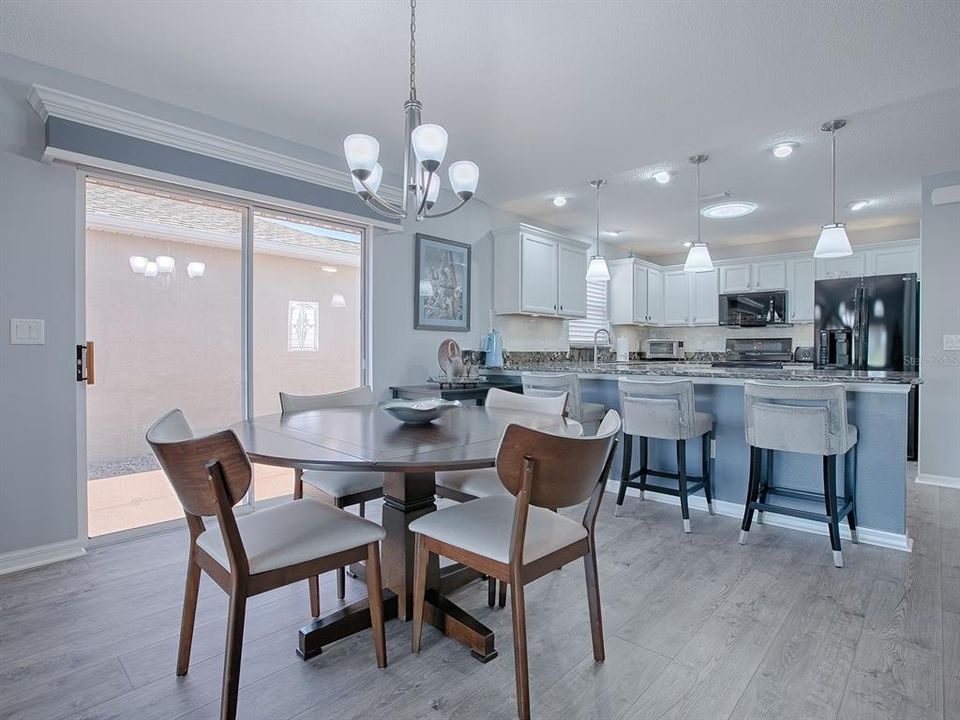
784, 149
726, 210
859, 204
328, 268
560, 201
663, 176
611, 233
687, 243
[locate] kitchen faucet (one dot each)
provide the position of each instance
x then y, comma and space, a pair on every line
609, 342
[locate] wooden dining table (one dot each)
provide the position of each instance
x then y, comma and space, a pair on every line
367, 439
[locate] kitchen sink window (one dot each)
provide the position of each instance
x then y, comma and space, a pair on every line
582, 330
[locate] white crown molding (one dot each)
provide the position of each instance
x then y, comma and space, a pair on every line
48, 102
41, 555
867, 536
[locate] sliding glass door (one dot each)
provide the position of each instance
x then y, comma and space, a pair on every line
169, 309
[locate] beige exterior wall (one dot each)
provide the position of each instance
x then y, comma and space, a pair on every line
171, 341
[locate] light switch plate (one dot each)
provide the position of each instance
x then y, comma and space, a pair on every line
26, 332
951, 342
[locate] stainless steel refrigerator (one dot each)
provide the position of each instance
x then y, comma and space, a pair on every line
870, 323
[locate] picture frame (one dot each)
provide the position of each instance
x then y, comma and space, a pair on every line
442, 284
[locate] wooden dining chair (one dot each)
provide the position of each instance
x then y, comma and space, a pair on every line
249, 555
517, 538
341, 488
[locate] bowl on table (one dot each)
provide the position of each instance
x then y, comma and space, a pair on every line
418, 412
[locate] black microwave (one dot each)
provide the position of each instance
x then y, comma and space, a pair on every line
754, 309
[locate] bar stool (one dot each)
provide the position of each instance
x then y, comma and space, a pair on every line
805, 418
665, 411
538, 384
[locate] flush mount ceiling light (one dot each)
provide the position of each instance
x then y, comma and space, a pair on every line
598, 271
859, 204
328, 268
560, 201
424, 148
727, 210
612, 233
833, 242
698, 257
784, 149
664, 176
687, 243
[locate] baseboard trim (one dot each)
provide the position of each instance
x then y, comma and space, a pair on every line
27, 558
868, 536
947, 481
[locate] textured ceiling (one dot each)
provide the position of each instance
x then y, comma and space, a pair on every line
547, 94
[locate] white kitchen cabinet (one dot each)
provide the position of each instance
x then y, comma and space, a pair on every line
704, 292
735, 278
537, 272
894, 260
654, 296
851, 266
801, 273
676, 298
572, 281
768, 275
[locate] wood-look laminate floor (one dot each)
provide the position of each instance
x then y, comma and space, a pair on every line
696, 627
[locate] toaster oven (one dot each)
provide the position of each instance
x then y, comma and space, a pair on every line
664, 349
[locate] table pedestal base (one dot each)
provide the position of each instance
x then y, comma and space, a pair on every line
340, 624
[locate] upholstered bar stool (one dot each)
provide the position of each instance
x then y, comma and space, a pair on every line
803, 418
340, 488
537, 384
664, 411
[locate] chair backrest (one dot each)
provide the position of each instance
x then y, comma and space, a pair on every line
184, 458
498, 399
803, 417
566, 470
657, 409
537, 384
358, 396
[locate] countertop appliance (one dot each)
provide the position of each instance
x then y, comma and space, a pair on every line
753, 309
769, 353
804, 354
664, 349
870, 323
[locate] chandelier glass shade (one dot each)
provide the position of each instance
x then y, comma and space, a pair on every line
425, 147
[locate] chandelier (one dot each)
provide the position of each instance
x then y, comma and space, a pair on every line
424, 148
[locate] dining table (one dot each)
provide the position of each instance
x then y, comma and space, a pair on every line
364, 438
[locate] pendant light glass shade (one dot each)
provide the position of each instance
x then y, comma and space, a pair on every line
598, 271
165, 263
464, 176
138, 263
698, 259
430, 145
833, 242
362, 152
196, 270
151, 269
373, 181
338, 301
433, 190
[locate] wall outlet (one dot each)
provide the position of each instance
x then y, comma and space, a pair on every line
951, 342
26, 332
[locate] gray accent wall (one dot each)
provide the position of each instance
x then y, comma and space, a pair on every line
939, 316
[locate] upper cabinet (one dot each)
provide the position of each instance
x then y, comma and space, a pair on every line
851, 266
704, 308
655, 296
751, 276
636, 293
676, 298
893, 260
801, 273
537, 272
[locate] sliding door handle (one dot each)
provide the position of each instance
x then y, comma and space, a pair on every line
86, 363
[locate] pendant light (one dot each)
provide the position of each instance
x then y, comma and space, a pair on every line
598, 271
698, 258
833, 242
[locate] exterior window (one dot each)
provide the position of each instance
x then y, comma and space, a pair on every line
302, 320
582, 330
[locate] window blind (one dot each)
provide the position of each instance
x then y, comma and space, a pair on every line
582, 330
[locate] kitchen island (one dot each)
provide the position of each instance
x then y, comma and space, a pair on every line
876, 404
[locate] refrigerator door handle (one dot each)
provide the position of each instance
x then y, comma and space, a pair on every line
860, 331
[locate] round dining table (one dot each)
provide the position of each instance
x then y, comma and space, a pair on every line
408, 456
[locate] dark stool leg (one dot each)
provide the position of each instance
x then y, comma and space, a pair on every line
682, 477
753, 488
850, 490
766, 480
707, 492
624, 472
830, 500
643, 466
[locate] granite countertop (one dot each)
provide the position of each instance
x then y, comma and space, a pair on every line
789, 372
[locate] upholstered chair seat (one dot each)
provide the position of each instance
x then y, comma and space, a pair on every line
340, 484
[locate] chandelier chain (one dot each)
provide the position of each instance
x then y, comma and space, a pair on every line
413, 49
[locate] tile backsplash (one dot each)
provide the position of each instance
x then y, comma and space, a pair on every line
711, 338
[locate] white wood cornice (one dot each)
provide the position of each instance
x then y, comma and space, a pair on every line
48, 102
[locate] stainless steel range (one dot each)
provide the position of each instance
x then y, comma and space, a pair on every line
757, 352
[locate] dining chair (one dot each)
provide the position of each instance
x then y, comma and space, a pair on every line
252, 554
543, 384
341, 488
516, 538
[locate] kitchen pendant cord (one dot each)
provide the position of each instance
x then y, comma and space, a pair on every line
833, 162
698, 202
413, 49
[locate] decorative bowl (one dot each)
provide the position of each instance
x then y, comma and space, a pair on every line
418, 412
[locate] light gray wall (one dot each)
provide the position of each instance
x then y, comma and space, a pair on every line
940, 315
